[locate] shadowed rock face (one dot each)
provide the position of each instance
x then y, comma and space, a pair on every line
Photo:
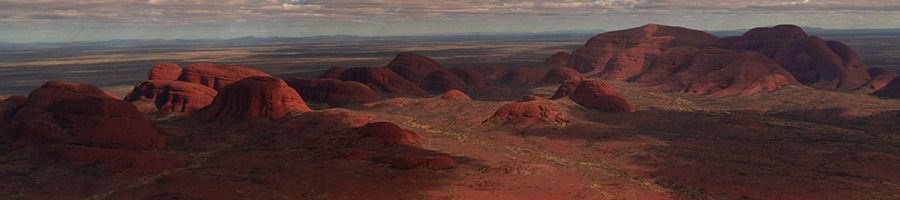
622, 54
565, 89
8, 106
333, 73
532, 112
414, 67
891, 90
522, 75
559, 59
381, 78
389, 133
217, 76
561, 75
333, 92
254, 98
165, 71
715, 71
472, 77
880, 77
173, 96
443, 80
598, 95
70, 113
811, 60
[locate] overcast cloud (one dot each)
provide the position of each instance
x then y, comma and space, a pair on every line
64, 20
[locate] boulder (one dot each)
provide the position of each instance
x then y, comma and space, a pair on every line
532, 113
414, 67
164, 71
173, 96
217, 76
260, 97
381, 78
891, 90
598, 95
333, 92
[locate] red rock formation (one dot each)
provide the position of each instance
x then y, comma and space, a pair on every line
622, 54
381, 78
522, 75
165, 71
8, 106
333, 92
216, 76
598, 95
333, 73
565, 89
891, 90
414, 67
714, 71
529, 114
333, 119
472, 77
254, 98
558, 75
389, 133
880, 77
443, 80
811, 60
455, 95
173, 96
70, 113
559, 59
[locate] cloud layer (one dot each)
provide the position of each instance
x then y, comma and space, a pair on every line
100, 19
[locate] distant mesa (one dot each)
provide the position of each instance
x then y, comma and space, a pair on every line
559, 59
260, 97
660, 55
523, 75
389, 133
414, 67
558, 75
381, 79
598, 95
217, 76
173, 96
455, 95
165, 71
333, 92
881, 76
443, 80
77, 114
333, 73
531, 113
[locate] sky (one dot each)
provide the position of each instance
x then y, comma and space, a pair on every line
98, 20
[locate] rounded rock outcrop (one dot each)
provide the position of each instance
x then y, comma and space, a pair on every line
598, 95
389, 133
173, 96
164, 71
217, 76
254, 98
333, 92
381, 78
